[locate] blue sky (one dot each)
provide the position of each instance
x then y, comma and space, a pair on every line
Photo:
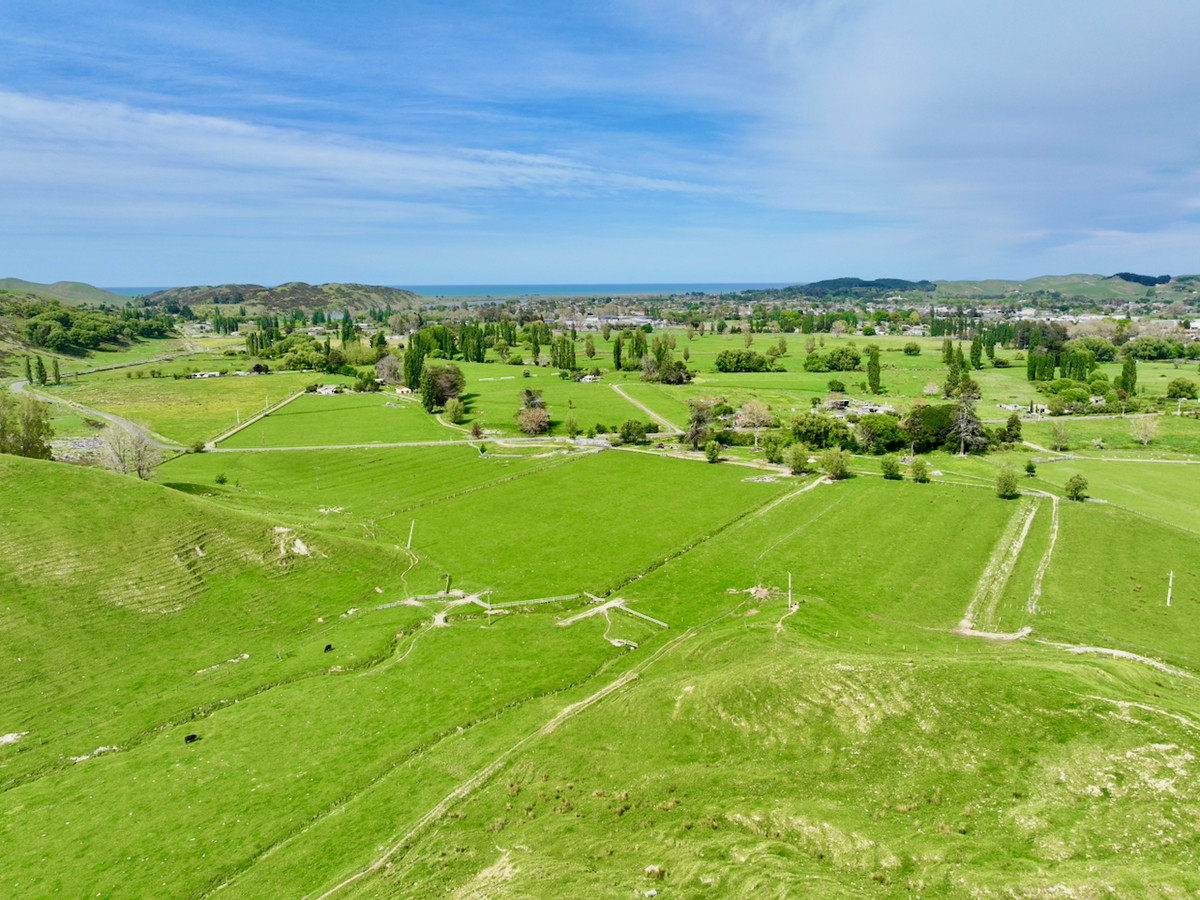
624, 141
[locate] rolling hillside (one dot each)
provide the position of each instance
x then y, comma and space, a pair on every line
73, 293
293, 295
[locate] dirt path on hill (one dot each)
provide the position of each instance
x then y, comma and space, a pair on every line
661, 420
1035, 591
155, 440
997, 572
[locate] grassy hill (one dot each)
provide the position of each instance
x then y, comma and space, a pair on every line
542, 671
73, 293
293, 295
854, 745
1092, 287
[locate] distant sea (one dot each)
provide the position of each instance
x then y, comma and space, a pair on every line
547, 290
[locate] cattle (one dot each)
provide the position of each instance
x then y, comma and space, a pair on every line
328, 647
191, 738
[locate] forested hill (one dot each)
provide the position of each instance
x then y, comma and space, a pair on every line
29, 321
72, 293
1119, 287
293, 295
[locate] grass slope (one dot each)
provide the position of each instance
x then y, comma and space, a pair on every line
71, 293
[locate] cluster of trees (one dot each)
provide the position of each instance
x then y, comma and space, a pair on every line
741, 361
35, 372
74, 330
839, 359
24, 426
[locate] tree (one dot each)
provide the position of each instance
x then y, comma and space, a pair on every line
532, 399
820, 431
878, 433
632, 431
28, 371
1144, 429
39, 369
795, 457
873, 369
919, 471
25, 426
1076, 487
772, 445
428, 389
966, 428
454, 410
533, 421
589, 347
977, 353
755, 414
712, 452
835, 463
1127, 380
1006, 483
57, 373
1060, 436
616, 352
1012, 428
388, 369
890, 466
448, 380
1030, 468
127, 452
414, 361
912, 348
1182, 388
700, 418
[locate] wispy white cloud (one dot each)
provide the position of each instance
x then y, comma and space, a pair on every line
752, 139
103, 161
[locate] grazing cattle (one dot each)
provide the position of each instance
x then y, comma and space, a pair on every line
328, 647
190, 738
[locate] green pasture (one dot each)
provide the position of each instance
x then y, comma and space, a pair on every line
183, 409
1165, 491
858, 744
493, 398
1176, 435
350, 491
612, 526
313, 420
747, 762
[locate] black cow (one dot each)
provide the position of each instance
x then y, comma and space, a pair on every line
328, 647
191, 738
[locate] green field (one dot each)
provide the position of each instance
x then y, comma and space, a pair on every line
312, 420
479, 668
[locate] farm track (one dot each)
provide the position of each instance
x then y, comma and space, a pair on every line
158, 440
998, 570
671, 427
467, 787
1035, 591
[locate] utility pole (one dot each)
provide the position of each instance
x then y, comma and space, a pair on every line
789, 590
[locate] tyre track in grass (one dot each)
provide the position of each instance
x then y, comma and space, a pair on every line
997, 571
483, 775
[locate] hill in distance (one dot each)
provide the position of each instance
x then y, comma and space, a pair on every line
293, 295
72, 293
